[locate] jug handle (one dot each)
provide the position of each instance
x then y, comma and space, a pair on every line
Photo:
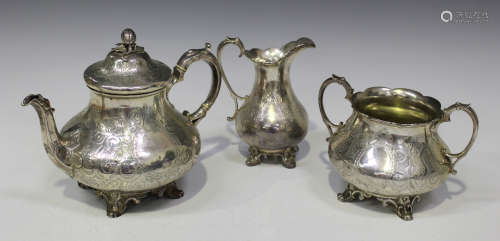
349, 92
475, 125
236, 41
183, 64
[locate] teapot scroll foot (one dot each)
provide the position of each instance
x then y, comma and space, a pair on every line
170, 191
117, 201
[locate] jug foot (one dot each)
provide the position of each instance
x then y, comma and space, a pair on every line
402, 206
352, 193
254, 157
286, 156
117, 201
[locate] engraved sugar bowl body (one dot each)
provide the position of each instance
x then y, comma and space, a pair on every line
271, 120
389, 148
130, 141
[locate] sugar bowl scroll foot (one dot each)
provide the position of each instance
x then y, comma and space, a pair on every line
352, 193
402, 206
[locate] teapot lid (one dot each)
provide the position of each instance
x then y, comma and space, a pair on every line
127, 69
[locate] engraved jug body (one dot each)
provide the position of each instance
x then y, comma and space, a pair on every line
272, 121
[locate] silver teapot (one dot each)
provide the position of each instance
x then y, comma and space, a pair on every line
130, 141
271, 121
389, 148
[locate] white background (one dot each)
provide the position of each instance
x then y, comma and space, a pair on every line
46, 47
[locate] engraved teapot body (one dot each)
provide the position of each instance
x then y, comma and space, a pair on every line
129, 141
389, 148
272, 121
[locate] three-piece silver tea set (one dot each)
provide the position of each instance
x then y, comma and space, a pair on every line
130, 142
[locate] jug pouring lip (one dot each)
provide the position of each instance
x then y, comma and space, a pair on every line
274, 56
399, 107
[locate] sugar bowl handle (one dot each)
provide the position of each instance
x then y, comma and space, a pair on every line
236, 41
183, 64
475, 125
349, 92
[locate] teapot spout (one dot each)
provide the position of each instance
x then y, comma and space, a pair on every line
292, 48
52, 142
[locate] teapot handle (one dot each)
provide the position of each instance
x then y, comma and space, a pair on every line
349, 92
475, 125
236, 41
183, 64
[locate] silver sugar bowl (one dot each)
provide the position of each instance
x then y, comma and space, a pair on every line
130, 141
389, 148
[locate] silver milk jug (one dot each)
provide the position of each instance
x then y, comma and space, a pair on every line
271, 120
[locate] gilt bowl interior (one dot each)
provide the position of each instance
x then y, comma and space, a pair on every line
400, 106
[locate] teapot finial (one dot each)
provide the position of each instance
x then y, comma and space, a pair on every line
128, 39
128, 36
